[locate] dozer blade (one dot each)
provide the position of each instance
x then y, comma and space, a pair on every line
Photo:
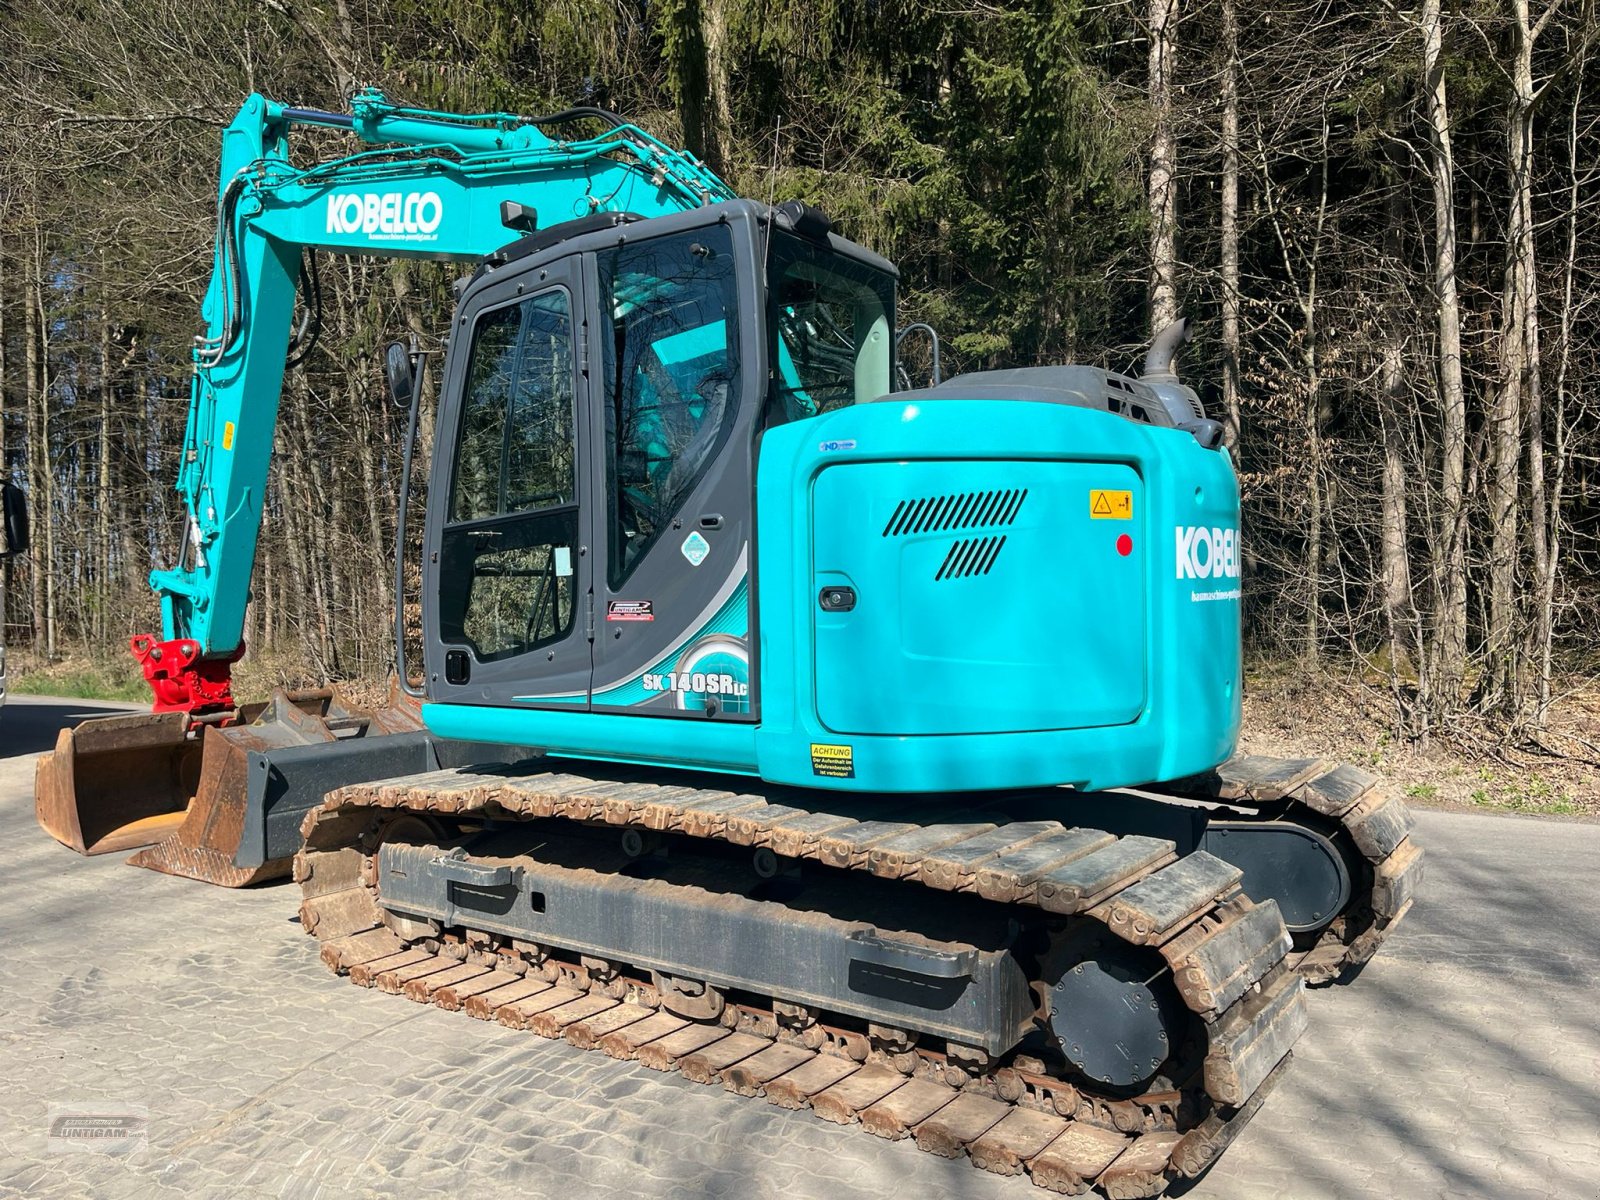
255, 782
115, 783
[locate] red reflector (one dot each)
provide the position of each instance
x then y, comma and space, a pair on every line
1124, 545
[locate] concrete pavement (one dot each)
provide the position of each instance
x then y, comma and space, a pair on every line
1465, 1062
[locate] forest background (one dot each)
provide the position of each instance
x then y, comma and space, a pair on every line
1381, 218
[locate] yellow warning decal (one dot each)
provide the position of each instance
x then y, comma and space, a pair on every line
834, 762
1110, 506
227, 435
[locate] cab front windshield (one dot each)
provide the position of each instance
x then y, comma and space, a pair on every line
831, 323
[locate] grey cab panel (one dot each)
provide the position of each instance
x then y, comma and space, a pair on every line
681, 383
591, 507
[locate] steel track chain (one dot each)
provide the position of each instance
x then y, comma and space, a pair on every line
1226, 955
1374, 825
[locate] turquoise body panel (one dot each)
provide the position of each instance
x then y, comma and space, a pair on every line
1062, 655
682, 743
1015, 678
990, 599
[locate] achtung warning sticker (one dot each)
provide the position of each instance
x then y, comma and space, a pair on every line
834, 762
1110, 506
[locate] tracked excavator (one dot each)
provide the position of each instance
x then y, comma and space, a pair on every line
865, 747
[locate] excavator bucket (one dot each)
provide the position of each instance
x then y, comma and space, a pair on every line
115, 783
224, 806
267, 773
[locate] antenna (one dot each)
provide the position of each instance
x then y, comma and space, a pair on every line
772, 176
772, 193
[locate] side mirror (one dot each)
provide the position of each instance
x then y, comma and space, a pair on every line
13, 520
402, 379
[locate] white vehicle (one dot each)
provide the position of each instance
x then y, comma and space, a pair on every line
13, 540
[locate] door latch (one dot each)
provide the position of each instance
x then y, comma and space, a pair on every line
837, 599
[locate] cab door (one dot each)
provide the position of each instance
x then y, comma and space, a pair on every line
506, 574
678, 383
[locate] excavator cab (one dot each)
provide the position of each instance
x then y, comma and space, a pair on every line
590, 536
674, 480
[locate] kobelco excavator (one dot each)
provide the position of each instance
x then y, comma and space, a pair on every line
823, 680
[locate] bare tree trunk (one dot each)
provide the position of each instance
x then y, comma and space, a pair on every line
1315, 417
30, 418
44, 562
1517, 402
683, 32
154, 437
1546, 599
317, 560
1163, 193
272, 563
1395, 564
1449, 655
103, 478
1311, 632
309, 598
719, 84
5, 465
1229, 203
343, 612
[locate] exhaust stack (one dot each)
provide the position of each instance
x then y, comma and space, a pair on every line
1159, 359
1181, 402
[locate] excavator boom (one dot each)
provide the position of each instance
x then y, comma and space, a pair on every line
440, 187
430, 185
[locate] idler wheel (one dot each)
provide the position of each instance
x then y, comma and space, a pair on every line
1117, 1016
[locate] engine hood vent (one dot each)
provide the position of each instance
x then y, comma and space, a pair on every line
1159, 399
959, 510
970, 556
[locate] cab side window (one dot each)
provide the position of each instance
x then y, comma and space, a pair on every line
671, 378
506, 577
517, 448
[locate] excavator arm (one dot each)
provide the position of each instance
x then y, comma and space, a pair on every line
432, 186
